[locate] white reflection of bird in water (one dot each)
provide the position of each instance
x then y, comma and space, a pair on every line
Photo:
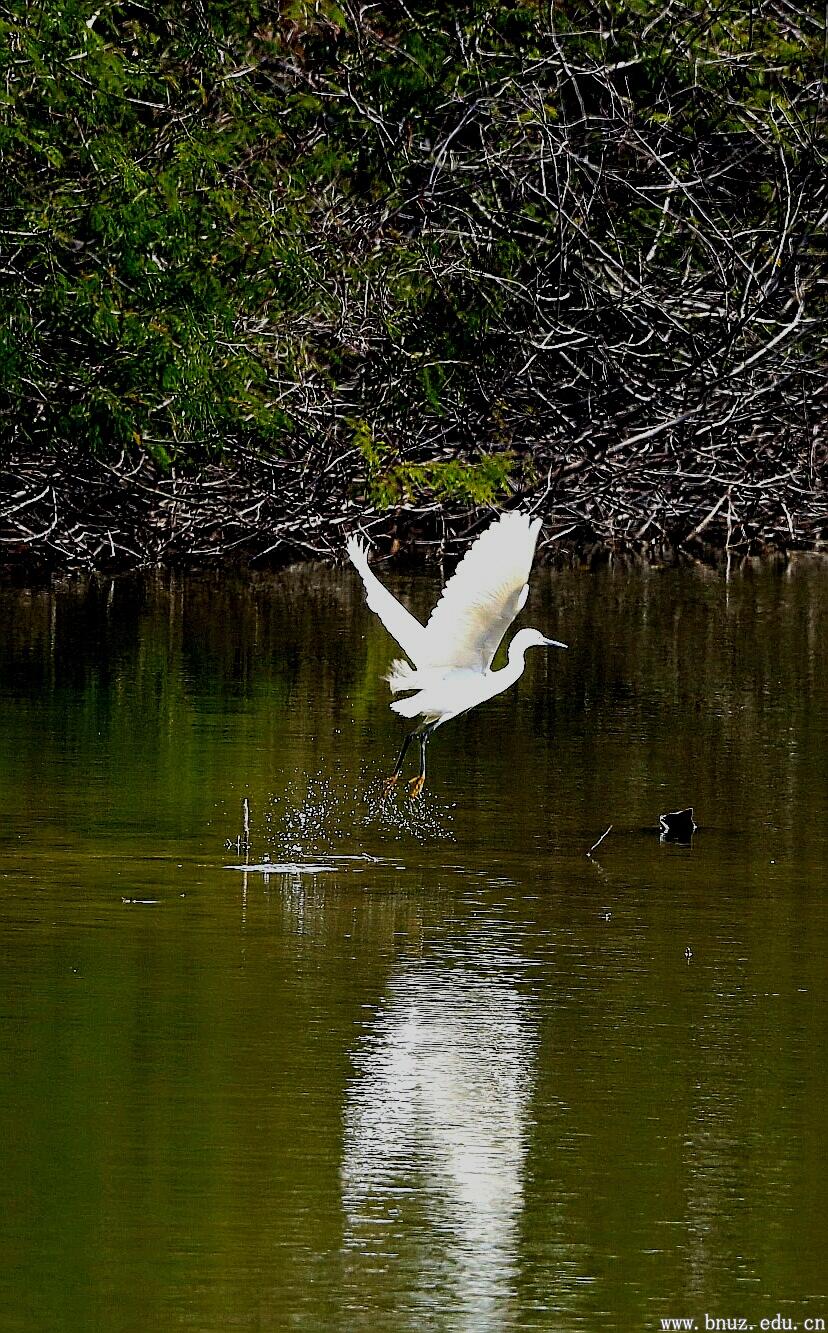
436, 1128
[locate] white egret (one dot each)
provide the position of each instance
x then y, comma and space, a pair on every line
452, 655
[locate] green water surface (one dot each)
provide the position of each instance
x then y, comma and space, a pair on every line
464, 1076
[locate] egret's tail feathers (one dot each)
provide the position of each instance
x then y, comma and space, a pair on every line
410, 707
402, 676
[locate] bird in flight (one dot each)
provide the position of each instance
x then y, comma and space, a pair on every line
449, 667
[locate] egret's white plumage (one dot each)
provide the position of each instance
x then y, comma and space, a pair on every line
399, 622
453, 653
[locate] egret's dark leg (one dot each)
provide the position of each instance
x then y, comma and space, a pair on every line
416, 784
390, 783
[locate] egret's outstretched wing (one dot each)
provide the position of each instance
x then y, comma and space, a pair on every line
399, 622
483, 596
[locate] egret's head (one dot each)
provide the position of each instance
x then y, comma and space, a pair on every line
532, 638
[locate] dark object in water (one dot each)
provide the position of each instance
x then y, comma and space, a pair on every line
678, 826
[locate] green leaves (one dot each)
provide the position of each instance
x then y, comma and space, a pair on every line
130, 158
248, 226
392, 481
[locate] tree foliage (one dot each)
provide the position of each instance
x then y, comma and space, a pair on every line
422, 254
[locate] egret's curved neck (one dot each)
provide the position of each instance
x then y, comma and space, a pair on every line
513, 670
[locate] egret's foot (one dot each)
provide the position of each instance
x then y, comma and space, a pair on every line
415, 787
389, 785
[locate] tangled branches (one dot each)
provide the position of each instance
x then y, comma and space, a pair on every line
428, 261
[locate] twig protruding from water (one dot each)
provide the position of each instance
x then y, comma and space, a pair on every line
600, 840
245, 822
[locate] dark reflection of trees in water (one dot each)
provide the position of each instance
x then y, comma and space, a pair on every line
225, 687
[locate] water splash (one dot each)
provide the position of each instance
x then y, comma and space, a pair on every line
320, 813
397, 814
300, 822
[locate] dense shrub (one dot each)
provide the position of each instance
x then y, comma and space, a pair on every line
432, 252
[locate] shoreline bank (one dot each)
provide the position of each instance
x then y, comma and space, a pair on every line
62, 515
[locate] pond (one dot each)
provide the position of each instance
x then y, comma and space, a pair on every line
437, 1067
